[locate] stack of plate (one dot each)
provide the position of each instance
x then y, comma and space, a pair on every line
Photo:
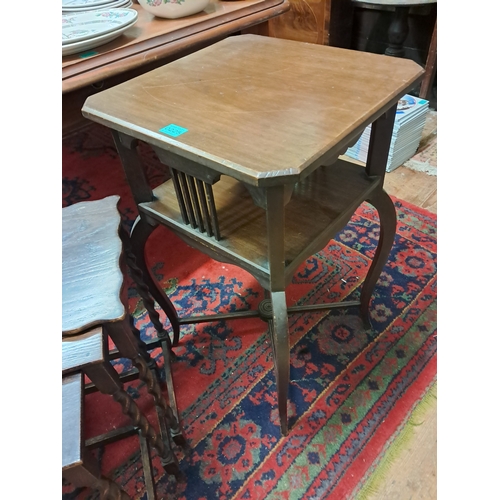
86, 30
74, 6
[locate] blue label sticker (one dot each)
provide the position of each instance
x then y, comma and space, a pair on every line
173, 130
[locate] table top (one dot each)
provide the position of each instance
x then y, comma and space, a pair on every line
92, 279
153, 38
262, 110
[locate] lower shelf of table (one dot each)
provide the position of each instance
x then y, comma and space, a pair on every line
321, 205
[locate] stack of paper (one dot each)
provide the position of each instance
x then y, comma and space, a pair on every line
406, 135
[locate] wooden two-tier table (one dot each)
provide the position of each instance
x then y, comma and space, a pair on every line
251, 129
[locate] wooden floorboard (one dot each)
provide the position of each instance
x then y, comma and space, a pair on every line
417, 188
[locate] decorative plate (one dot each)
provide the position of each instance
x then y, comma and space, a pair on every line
84, 3
92, 43
116, 3
95, 23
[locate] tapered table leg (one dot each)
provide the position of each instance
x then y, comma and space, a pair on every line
281, 351
275, 219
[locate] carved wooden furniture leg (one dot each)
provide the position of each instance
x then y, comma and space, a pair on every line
130, 345
398, 31
107, 381
168, 354
140, 233
380, 141
79, 466
142, 346
387, 215
126, 342
142, 192
141, 277
144, 292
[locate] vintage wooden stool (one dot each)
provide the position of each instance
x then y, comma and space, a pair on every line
252, 128
94, 307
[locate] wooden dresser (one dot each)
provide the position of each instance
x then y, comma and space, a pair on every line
325, 22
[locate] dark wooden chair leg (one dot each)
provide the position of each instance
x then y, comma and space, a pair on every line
176, 432
126, 344
388, 219
146, 295
430, 67
142, 346
147, 467
138, 238
168, 354
107, 381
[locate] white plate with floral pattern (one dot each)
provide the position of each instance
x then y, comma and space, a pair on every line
92, 24
83, 3
92, 43
88, 8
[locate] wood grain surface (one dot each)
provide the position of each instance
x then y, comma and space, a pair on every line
153, 38
91, 275
72, 393
257, 108
306, 21
81, 350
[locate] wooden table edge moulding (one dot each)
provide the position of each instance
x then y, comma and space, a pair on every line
251, 129
154, 41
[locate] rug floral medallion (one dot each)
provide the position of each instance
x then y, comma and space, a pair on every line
350, 388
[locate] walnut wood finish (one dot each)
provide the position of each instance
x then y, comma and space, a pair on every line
266, 120
153, 39
280, 108
430, 67
306, 21
152, 42
320, 206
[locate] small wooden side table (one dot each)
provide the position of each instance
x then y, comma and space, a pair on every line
251, 128
94, 307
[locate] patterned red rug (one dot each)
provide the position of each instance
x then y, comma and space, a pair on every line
350, 388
